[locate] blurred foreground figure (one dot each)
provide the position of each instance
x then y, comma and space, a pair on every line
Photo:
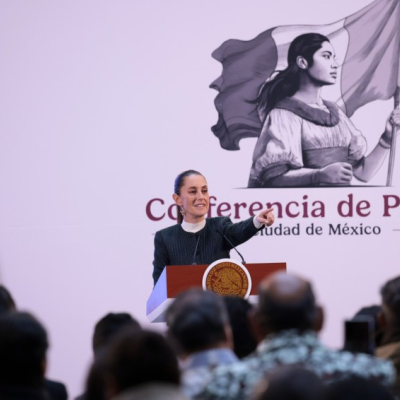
290, 383
239, 309
286, 321
390, 324
56, 390
108, 327
140, 364
198, 326
23, 346
105, 330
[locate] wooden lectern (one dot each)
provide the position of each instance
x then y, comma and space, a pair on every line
177, 278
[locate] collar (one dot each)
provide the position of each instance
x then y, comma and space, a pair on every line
207, 358
312, 114
288, 338
193, 228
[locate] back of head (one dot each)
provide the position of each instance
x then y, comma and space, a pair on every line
23, 345
197, 320
286, 302
291, 383
108, 327
7, 303
357, 388
390, 293
136, 357
244, 341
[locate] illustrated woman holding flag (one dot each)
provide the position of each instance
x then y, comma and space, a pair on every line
305, 140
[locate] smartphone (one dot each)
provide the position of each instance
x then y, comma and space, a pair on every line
359, 335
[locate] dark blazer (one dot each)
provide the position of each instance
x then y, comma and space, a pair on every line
174, 246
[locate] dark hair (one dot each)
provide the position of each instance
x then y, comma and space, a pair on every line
355, 387
95, 388
179, 182
287, 82
108, 326
196, 320
138, 356
244, 341
23, 345
7, 303
282, 315
390, 293
291, 383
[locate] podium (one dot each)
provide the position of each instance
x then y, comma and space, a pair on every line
177, 278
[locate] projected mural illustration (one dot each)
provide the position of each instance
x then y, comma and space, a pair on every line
270, 88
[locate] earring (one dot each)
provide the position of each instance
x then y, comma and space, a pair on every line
182, 211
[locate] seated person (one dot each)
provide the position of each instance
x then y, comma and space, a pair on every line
198, 326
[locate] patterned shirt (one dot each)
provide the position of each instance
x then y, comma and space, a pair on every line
197, 368
237, 381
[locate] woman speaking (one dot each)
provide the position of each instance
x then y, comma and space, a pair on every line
197, 240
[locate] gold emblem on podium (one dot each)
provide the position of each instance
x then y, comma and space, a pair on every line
227, 277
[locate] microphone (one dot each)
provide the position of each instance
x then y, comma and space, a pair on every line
237, 251
195, 250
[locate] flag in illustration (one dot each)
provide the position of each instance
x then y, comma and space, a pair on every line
367, 46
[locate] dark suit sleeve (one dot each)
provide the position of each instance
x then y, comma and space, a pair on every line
240, 232
161, 258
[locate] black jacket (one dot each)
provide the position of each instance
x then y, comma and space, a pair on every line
174, 246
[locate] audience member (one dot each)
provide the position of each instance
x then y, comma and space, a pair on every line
56, 390
23, 346
198, 326
290, 383
354, 387
373, 312
141, 361
244, 341
390, 323
108, 327
289, 363
287, 319
104, 331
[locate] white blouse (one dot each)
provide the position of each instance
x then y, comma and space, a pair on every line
287, 135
